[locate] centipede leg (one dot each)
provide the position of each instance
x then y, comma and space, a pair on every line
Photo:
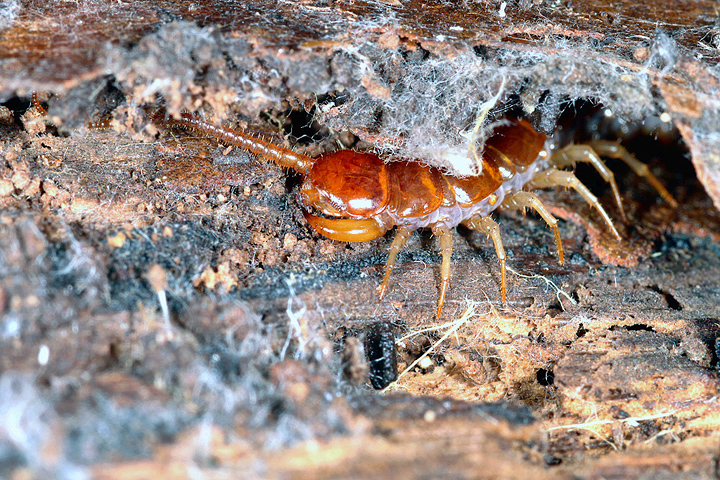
398, 242
445, 239
488, 226
521, 200
615, 150
571, 154
553, 178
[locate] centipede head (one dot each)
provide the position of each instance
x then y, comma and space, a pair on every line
347, 190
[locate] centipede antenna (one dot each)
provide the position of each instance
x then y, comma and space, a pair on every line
100, 124
36, 104
280, 155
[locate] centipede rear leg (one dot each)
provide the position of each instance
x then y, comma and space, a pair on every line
559, 178
613, 149
572, 154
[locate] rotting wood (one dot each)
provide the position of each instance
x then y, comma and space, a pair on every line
617, 365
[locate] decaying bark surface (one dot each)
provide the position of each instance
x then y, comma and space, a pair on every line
166, 310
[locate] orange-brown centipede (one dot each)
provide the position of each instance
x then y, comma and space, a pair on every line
356, 196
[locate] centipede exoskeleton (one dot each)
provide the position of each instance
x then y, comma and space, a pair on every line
355, 196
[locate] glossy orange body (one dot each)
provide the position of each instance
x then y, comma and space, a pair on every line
356, 196
360, 185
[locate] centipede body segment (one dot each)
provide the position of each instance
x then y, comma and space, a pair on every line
355, 196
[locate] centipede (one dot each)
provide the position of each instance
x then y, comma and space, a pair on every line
358, 196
